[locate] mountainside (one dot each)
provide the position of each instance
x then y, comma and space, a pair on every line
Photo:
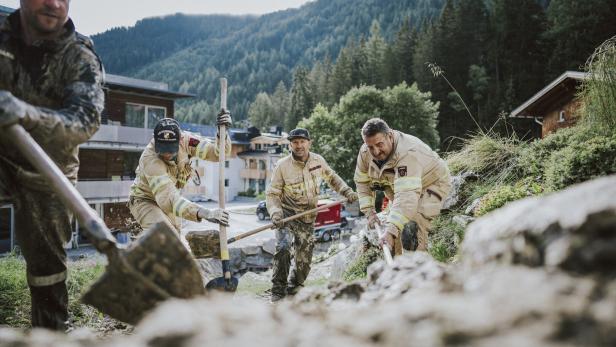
254, 53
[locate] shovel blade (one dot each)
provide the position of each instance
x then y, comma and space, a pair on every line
154, 268
222, 284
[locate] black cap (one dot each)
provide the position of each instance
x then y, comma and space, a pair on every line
299, 133
167, 136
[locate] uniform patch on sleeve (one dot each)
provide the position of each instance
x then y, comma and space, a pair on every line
193, 142
314, 168
402, 171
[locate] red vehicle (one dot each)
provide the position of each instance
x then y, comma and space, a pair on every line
329, 222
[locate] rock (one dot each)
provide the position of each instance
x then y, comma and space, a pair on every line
574, 229
204, 243
457, 182
258, 261
462, 220
470, 209
251, 250
269, 246
343, 259
210, 268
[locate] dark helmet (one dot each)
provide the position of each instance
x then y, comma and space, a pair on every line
167, 136
299, 133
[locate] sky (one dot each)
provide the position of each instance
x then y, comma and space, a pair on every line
95, 16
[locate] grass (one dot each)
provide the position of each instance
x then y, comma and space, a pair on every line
15, 295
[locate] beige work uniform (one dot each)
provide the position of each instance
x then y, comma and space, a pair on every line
414, 179
295, 188
155, 193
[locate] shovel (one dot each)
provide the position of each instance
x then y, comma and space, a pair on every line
201, 243
386, 251
226, 282
153, 269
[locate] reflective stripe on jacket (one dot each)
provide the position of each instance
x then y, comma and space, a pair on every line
411, 169
162, 181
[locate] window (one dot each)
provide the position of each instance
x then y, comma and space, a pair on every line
144, 116
261, 164
226, 182
561, 116
226, 163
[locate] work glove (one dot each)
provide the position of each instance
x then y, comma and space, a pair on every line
217, 215
12, 110
224, 118
277, 220
373, 219
351, 196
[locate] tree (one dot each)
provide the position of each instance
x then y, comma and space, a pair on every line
281, 101
302, 98
576, 28
261, 112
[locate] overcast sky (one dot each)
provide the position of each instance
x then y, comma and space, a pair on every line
95, 16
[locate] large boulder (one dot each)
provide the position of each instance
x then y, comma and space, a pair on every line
574, 229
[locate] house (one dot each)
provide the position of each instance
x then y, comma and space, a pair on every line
260, 159
108, 160
556, 106
204, 183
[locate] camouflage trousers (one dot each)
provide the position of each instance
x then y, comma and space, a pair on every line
42, 228
295, 240
147, 213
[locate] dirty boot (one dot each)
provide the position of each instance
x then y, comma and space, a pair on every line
292, 290
276, 297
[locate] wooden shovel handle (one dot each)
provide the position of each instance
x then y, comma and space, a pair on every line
288, 219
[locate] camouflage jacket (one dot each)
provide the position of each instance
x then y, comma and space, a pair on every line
412, 169
161, 181
62, 81
296, 185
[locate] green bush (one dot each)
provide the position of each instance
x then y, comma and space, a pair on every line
15, 295
535, 157
499, 196
581, 161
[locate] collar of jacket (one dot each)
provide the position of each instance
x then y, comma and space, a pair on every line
12, 27
301, 163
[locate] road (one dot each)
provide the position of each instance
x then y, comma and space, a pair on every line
242, 219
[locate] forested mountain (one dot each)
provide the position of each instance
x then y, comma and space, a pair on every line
255, 54
280, 66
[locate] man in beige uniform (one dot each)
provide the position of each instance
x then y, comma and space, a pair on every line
412, 176
295, 188
164, 168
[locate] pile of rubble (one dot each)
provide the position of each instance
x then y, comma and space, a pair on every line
537, 272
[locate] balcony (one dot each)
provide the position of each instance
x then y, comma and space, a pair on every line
253, 174
119, 138
104, 191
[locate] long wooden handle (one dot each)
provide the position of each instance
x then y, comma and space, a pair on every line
96, 230
222, 131
288, 219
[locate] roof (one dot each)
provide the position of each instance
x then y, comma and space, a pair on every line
5, 11
238, 136
134, 85
564, 85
